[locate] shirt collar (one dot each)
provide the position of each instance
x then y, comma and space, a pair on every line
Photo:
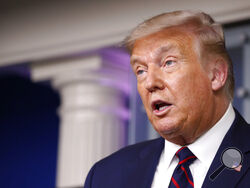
210, 141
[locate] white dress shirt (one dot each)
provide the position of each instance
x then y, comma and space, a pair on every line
204, 148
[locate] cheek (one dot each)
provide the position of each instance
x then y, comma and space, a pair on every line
143, 94
181, 86
191, 89
140, 90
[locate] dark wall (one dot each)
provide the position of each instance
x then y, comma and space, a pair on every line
28, 133
236, 55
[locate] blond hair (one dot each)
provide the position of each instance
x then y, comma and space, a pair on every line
209, 34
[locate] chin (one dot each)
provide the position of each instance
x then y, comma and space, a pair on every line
167, 128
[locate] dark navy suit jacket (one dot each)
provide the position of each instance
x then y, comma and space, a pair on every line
134, 166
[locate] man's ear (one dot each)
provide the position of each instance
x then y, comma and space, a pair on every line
218, 71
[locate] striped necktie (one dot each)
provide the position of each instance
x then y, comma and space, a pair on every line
182, 177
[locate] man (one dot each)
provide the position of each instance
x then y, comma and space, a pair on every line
185, 80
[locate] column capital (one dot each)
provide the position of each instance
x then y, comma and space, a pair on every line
52, 68
87, 69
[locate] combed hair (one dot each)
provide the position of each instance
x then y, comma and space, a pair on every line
209, 34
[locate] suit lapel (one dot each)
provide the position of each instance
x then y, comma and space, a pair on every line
237, 136
142, 169
139, 173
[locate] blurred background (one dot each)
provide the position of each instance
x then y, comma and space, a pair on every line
68, 96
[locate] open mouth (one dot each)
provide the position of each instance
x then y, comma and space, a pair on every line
160, 105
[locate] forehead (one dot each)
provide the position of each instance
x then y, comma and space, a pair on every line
170, 39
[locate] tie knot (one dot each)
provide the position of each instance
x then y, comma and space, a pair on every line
185, 156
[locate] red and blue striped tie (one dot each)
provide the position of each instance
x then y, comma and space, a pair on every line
182, 177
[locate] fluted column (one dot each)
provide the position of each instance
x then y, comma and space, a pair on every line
92, 115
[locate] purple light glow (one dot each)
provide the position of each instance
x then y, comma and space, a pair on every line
117, 79
116, 57
20, 69
116, 62
119, 112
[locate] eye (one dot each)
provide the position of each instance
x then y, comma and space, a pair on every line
169, 63
139, 72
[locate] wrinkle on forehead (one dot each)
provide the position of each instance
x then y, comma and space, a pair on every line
167, 47
176, 41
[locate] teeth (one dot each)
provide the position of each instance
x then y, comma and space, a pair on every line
162, 108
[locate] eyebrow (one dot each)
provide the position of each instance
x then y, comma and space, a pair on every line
134, 59
165, 48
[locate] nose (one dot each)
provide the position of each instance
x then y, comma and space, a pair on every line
154, 79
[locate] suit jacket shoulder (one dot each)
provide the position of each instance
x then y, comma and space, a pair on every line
134, 166
126, 166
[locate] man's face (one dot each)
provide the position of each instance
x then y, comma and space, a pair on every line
174, 86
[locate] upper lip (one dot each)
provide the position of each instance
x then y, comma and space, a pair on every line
157, 103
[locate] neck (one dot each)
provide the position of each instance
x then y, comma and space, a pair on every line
216, 112
217, 109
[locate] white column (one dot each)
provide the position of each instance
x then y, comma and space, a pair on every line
92, 114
